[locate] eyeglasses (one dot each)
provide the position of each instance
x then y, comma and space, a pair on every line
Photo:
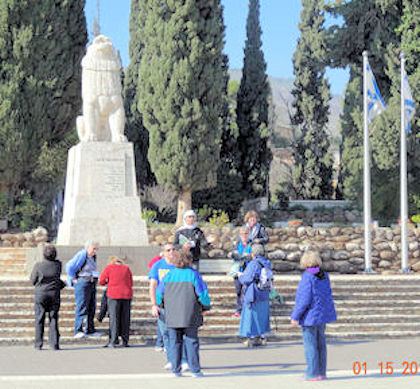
170, 250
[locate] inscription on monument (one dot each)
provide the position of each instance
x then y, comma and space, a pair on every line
113, 175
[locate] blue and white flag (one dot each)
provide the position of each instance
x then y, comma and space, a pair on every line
409, 107
375, 103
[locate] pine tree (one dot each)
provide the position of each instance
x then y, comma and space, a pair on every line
134, 127
312, 175
182, 79
41, 46
252, 111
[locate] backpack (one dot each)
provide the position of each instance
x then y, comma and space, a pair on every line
265, 281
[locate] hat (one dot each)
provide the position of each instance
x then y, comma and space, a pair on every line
190, 212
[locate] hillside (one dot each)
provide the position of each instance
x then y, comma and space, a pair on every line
282, 98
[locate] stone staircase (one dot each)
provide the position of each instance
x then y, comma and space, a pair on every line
368, 306
12, 262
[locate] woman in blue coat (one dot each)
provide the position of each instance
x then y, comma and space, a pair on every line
255, 316
314, 307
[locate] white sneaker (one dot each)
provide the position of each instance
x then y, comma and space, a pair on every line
159, 349
79, 335
95, 334
168, 366
184, 367
197, 375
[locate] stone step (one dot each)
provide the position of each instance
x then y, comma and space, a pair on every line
144, 320
287, 306
12, 251
368, 313
363, 298
143, 287
26, 311
6, 259
366, 307
232, 329
227, 337
288, 284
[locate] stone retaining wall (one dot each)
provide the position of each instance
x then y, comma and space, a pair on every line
24, 239
342, 249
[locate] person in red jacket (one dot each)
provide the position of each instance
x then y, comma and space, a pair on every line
119, 279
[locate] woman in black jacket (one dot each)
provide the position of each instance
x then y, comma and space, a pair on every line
191, 238
48, 284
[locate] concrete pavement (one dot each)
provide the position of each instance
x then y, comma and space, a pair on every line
225, 365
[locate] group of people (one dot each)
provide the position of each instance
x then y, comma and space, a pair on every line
180, 298
83, 276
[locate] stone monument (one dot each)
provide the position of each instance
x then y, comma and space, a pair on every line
101, 200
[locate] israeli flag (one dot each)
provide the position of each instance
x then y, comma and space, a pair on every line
375, 103
409, 107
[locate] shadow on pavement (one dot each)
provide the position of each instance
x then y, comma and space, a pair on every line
279, 365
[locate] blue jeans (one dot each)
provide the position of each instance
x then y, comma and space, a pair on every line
159, 339
165, 337
315, 350
178, 338
164, 331
85, 296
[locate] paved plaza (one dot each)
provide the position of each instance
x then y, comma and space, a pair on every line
225, 365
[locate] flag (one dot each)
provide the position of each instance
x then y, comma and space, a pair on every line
409, 107
375, 103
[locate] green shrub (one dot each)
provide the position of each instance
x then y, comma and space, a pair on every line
219, 218
415, 218
149, 215
205, 213
26, 214
4, 206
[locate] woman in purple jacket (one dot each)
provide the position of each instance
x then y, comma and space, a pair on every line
314, 307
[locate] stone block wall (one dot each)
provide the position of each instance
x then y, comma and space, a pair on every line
342, 249
24, 239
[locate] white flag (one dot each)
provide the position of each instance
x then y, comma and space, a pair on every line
375, 103
409, 107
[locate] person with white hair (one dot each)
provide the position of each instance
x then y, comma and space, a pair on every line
82, 274
191, 238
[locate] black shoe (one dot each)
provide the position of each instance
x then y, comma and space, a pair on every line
126, 345
55, 348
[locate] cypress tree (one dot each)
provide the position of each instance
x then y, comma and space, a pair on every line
134, 128
312, 175
227, 195
252, 111
41, 46
182, 79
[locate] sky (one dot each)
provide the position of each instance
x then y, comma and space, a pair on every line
278, 18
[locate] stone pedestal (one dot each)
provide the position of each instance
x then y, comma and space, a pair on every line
101, 201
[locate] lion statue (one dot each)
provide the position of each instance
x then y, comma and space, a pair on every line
103, 111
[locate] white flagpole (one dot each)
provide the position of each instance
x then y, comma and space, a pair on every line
366, 170
403, 176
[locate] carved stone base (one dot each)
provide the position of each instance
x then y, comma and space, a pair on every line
101, 201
